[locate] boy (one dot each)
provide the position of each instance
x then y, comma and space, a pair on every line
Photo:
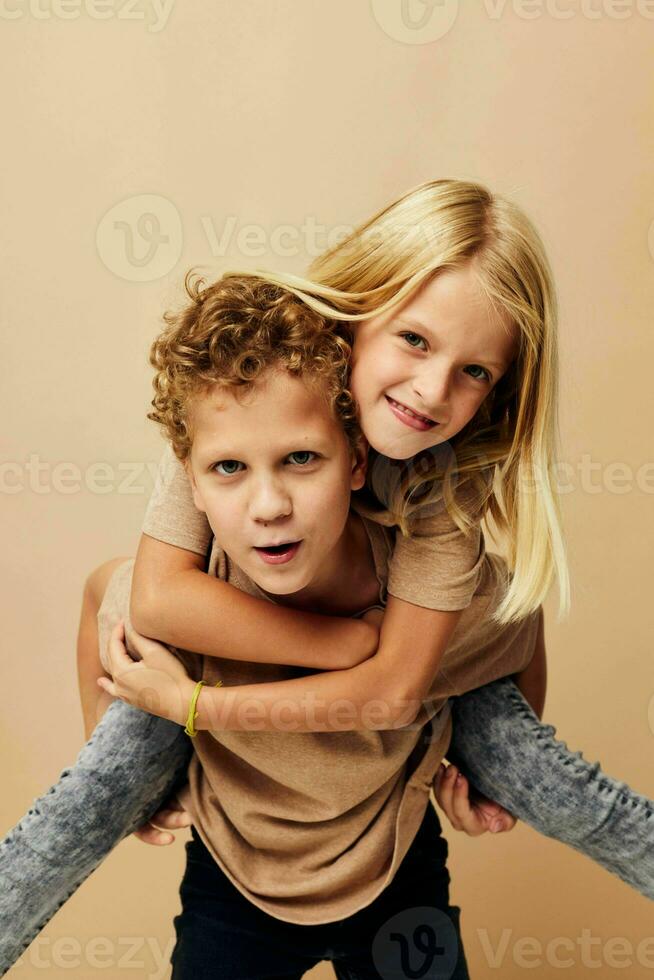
273, 454
294, 828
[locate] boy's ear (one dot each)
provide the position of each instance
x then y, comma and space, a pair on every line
197, 497
359, 463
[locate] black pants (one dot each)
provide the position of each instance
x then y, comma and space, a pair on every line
410, 930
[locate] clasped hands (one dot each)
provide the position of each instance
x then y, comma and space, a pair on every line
159, 683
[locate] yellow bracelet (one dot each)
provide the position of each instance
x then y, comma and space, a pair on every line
192, 713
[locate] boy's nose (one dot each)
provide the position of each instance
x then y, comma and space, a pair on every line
270, 503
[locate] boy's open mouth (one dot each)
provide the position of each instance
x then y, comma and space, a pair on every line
278, 554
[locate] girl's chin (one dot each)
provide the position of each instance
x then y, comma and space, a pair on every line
399, 449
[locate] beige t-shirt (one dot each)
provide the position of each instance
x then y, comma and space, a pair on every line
312, 826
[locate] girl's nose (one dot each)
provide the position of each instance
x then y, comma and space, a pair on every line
433, 389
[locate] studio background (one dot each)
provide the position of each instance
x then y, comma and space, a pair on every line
225, 135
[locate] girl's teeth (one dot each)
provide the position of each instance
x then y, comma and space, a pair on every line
408, 411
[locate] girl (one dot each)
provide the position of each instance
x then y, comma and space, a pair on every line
455, 373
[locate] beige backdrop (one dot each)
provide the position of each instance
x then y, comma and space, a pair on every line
248, 133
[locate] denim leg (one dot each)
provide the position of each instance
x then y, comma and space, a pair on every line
129, 766
513, 758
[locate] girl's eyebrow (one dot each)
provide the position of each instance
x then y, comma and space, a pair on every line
417, 324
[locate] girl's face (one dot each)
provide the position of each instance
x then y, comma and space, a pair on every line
421, 371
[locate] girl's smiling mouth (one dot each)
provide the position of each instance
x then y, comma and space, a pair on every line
407, 415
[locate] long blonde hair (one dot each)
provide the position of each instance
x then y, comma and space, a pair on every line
507, 451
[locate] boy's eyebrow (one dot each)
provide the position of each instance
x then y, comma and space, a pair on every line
410, 322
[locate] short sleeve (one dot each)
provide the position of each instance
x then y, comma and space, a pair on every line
438, 567
171, 515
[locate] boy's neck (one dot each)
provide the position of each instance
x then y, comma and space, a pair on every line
348, 580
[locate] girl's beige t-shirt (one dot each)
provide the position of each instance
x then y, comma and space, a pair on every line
312, 826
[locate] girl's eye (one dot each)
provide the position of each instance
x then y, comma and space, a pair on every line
485, 376
227, 467
414, 340
302, 458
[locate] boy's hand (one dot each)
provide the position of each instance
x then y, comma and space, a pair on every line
158, 683
466, 808
171, 816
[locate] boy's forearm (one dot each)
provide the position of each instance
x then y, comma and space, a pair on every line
195, 611
348, 700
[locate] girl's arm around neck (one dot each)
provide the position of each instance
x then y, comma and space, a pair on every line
174, 601
385, 692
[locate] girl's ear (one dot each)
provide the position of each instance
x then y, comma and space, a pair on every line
197, 496
359, 464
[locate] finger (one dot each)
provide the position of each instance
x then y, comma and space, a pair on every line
489, 807
144, 645
446, 798
171, 819
118, 655
151, 835
466, 816
497, 818
505, 821
108, 686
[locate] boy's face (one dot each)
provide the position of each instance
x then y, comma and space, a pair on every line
273, 468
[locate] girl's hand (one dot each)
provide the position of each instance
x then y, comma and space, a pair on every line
467, 809
158, 683
171, 816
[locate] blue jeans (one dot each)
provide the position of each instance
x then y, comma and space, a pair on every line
410, 929
134, 760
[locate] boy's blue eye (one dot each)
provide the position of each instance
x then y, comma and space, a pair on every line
229, 467
301, 457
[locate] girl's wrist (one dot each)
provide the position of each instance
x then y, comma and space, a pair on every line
196, 706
